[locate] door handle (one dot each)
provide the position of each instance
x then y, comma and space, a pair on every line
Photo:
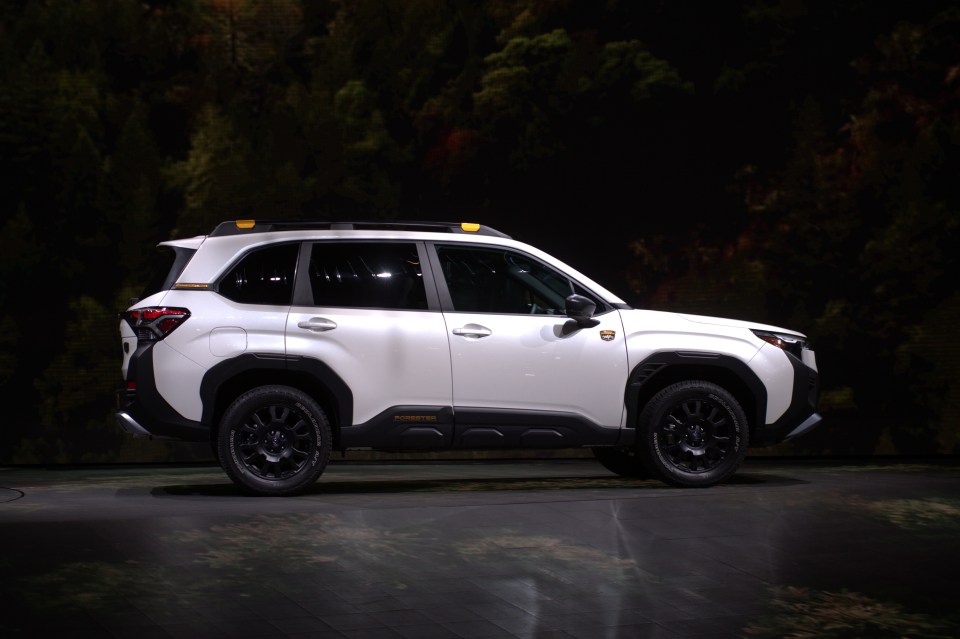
317, 324
472, 330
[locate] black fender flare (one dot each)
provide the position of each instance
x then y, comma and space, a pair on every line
666, 367
308, 373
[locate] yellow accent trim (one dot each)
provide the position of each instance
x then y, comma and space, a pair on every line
470, 227
191, 285
246, 224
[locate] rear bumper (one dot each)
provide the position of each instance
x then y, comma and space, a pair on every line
143, 412
130, 425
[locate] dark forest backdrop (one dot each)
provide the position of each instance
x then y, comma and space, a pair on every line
791, 162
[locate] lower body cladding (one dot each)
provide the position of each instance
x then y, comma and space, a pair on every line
429, 428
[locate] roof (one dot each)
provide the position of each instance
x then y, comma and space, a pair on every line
244, 227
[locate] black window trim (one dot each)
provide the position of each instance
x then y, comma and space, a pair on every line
446, 301
244, 255
303, 296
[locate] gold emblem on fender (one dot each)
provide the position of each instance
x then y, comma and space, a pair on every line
607, 336
415, 418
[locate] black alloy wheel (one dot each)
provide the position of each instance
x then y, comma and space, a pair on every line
274, 440
694, 434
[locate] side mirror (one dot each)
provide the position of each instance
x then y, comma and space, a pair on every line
580, 309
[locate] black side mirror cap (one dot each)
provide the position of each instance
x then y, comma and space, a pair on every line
580, 309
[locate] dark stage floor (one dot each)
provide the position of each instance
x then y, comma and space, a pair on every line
545, 549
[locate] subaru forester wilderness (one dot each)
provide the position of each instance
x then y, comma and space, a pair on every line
281, 341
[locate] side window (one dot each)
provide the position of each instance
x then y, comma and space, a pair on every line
482, 280
367, 275
264, 276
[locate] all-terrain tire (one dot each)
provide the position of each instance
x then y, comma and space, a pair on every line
274, 441
692, 434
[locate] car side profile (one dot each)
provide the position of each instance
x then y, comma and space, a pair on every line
281, 341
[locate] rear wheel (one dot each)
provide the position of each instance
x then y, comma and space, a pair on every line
693, 434
622, 461
274, 440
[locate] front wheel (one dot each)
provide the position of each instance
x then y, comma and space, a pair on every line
693, 434
274, 440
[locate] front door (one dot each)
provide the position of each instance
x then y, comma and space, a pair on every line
523, 373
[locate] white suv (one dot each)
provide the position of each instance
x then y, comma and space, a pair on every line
279, 342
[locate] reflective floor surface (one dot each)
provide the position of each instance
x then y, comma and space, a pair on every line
530, 549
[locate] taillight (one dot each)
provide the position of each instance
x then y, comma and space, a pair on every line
155, 322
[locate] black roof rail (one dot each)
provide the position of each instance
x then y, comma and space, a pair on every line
242, 227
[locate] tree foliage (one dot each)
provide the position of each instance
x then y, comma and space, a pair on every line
788, 162
856, 238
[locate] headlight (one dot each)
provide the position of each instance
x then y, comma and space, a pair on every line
793, 344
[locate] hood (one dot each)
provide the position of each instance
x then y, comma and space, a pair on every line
724, 321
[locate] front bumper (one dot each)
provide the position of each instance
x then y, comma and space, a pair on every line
808, 424
801, 416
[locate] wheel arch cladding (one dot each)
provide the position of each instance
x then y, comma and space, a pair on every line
228, 380
659, 370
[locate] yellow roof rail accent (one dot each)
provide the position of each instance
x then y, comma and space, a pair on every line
244, 227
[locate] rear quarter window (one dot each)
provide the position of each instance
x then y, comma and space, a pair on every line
264, 276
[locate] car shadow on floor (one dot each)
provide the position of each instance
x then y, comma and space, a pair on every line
394, 486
